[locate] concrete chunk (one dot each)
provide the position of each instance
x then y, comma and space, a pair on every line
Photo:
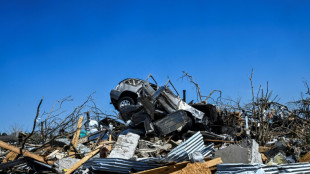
125, 146
240, 153
256, 157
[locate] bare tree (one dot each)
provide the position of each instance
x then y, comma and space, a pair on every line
15, 129
33, 129
185, 74
57, 123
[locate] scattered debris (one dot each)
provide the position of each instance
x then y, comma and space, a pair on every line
156, 131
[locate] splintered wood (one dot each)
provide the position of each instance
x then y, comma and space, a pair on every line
189, 168
76, 136
24, 152
10, 157
305, 158
199, 168
194, 168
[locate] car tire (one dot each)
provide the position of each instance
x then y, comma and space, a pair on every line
124, 101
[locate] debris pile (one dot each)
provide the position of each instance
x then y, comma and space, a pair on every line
156, 131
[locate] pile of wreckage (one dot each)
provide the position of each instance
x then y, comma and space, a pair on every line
164, 134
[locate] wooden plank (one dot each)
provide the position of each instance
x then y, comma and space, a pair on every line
10, 157
76, 136
178, 166
263, 149
24, 152
213, 162
264, 158
166, 169
83, 160
110, 139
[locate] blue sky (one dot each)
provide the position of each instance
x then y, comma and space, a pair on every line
60, 48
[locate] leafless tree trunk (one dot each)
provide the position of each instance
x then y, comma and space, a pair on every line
33, 128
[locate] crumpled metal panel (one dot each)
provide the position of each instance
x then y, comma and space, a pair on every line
172, 122
172, 103
195, 112
117, 165
295, 168
193, 144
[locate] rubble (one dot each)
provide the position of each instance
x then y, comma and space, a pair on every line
125, 146
240, 153
65, 163
158, 132
280, 158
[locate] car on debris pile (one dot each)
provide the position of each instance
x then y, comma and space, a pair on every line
154, 109
159, 111
127, 92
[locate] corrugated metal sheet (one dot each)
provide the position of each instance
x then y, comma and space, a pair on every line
271, 169
193, 144
182, 151
178, 154
12, 163
294, 168
117, 165
238, 168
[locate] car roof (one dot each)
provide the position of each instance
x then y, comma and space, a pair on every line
129, 79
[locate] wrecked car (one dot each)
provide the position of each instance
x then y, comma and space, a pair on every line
127, 92
161, 112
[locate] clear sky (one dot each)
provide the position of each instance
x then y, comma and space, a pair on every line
59, 48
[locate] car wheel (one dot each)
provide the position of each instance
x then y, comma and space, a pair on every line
124, 101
